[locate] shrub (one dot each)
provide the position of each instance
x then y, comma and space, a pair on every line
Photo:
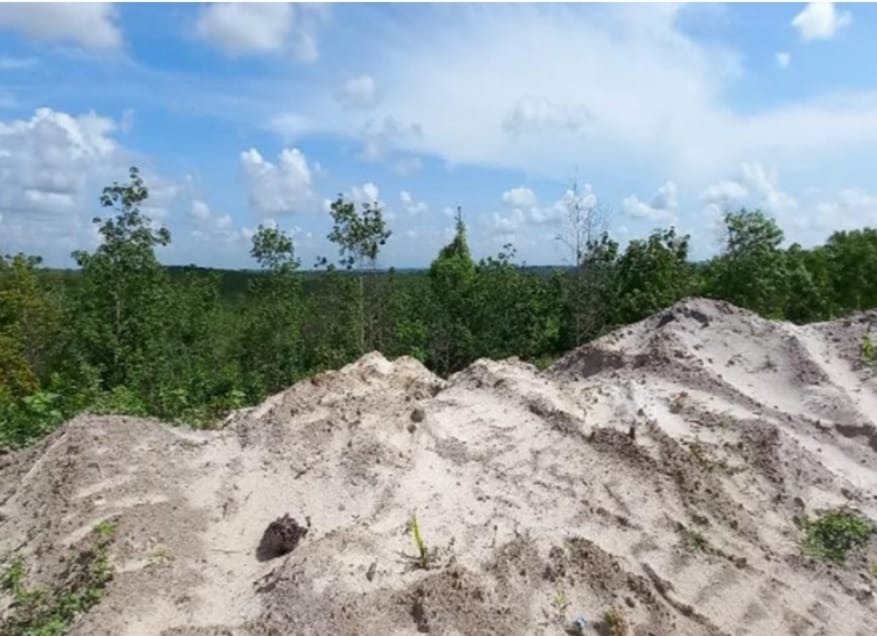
835, 533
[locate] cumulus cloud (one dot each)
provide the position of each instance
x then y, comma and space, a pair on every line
381, 137
200, 210
783, 59
520, 197
92, 26
412, 206
528, 218
366, 193
246, 29
210, 225
821, 21
47, 161
807, 217
358, 92
52, 167
278, 188
662, 207
755, 186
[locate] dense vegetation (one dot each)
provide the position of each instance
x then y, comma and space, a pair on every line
125, 334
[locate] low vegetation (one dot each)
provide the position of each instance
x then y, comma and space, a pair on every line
834, 534
615, 623
124, 334
424, 557
696, 541
48, 610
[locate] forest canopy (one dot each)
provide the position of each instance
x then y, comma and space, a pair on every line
125, 334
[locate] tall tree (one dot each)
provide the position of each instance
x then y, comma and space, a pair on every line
359, 237
452, 276
119, 309
272, 341
584, 224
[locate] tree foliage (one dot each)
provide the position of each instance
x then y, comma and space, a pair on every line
125, 334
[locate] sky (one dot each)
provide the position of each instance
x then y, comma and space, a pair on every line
241, 115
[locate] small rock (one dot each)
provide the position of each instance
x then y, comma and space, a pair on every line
417, 415
370, 574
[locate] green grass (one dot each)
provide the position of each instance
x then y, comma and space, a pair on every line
424, 556
869, 351
697, 542
835, 533
560, 599
615, 623
48, 611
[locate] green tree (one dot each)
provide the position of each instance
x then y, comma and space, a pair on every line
359, 237
852, 266
119, 312
751, 271
584, 230
512, 310
652, 274
452, 277
808, 283
29, 327
272, 338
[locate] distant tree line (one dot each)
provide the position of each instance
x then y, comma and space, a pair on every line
125, 336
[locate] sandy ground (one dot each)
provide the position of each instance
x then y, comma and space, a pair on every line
544, 496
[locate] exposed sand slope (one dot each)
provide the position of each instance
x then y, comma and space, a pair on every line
581, 483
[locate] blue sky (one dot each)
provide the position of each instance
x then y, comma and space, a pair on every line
245, 114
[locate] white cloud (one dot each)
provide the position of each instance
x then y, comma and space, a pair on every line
520, 197
783, 59
281, 188
407, 166
820, 21
52, 167
461, 77
366, 193
807, 217
200, 210
527, 219
379, 138
209, 225
49, 160
510, 224
245, 29
662, 207
411, 206
537, 115
358, 92
850, 209
92, 26
756, 186
162, 193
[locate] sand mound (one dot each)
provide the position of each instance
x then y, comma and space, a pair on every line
657, 471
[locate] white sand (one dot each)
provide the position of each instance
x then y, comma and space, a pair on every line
527, 484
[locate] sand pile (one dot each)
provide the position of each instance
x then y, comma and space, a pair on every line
656, 473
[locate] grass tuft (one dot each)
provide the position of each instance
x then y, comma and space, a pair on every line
48, 611
835, 533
